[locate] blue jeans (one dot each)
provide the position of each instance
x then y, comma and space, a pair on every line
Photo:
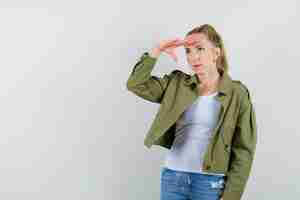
181, 185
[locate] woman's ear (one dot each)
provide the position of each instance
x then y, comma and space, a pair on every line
217, 52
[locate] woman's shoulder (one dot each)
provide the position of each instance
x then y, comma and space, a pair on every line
178, 74
241, 88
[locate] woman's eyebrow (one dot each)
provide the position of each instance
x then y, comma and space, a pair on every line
197, 44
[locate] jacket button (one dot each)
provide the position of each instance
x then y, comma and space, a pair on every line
227, 146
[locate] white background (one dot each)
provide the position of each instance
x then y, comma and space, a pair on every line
69, 128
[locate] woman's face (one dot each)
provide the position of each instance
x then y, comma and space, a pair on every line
201, 54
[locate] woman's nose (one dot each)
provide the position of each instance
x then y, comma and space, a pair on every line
194, 57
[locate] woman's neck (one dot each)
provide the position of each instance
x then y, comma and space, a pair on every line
209, 86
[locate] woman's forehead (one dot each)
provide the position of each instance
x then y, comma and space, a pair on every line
195, 38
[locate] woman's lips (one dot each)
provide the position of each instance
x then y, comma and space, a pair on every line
197, 65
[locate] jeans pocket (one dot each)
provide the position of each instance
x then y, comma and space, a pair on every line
170, 177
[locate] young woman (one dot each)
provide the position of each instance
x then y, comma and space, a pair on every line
206, 120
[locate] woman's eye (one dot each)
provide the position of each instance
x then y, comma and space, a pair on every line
199, 48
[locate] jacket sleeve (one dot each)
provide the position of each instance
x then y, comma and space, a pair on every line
242, 151
145, 85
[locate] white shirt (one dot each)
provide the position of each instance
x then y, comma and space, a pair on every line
194, 129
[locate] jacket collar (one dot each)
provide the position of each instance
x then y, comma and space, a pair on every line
224, 87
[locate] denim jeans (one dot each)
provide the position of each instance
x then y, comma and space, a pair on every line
182, 185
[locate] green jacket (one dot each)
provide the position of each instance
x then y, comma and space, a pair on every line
231, 150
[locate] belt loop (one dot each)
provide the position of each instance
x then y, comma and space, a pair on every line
189, 181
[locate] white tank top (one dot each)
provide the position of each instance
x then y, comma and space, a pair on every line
194, 129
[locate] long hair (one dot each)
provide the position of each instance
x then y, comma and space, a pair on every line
214, 37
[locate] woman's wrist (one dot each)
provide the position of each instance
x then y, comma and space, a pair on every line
155, 52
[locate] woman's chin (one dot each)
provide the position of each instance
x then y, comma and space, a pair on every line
200, 73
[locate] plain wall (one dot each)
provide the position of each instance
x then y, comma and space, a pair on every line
69, 127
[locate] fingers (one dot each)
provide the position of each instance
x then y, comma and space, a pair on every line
173, 43
169, 46
179, 42
190, 40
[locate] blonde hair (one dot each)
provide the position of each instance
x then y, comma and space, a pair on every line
214, 37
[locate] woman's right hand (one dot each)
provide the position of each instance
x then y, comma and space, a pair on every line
167, 46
